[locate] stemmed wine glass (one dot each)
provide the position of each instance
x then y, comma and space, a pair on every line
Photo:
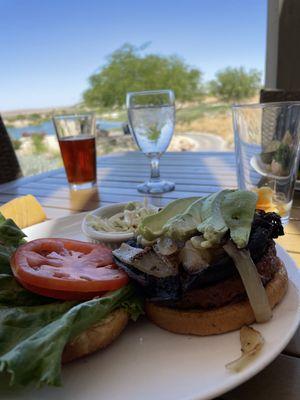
151, 116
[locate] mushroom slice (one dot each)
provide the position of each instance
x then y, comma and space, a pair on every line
147, 261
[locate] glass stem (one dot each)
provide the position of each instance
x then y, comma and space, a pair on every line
155, 175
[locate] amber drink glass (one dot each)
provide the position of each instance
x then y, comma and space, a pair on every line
77, 142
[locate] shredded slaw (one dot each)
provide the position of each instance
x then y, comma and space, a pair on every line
124, 221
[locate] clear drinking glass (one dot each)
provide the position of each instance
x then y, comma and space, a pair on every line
151, 116
267, 152
76, 138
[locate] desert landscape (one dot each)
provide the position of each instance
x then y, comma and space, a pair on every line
204, 125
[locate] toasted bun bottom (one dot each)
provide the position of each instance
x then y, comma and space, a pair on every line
97, 337
219, 320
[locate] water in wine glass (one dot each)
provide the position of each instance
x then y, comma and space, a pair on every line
151, 116
152, 127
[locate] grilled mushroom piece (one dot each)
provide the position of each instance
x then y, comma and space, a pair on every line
147, 260
156, 273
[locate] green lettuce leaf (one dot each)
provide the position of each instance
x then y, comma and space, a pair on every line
134, 306
13, 294
32, 337
11, 236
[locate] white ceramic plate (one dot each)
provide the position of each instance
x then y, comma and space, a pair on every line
148, 363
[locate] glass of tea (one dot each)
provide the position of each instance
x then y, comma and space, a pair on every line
77, 142
267, 141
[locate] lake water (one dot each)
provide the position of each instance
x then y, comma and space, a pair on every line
48, 128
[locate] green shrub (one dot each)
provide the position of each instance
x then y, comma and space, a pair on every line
18, 117
233, 84
17, 143
38, 142
34, 116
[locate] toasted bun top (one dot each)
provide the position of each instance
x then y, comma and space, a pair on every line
217, 320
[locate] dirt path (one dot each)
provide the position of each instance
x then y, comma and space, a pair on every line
206, 141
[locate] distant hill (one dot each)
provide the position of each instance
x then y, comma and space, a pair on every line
27, 111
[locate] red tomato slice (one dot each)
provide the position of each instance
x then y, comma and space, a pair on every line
66, 266
62, 295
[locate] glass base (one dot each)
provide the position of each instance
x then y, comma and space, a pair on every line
156, 187
80, 186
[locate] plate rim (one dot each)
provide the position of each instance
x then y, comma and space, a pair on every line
241, 377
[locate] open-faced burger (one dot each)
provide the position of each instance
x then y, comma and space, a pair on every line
60, 299
209, 265
67, 269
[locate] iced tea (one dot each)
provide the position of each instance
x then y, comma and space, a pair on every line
76, 138
79, 156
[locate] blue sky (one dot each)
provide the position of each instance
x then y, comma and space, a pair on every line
50, 47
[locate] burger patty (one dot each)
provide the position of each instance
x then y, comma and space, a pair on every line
232, 289
185, 289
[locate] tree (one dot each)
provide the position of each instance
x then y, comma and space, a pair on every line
128, 70
232, 84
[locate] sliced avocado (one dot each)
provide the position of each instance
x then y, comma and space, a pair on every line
238, 209
184, 225
152, 226
213, 225
212, 216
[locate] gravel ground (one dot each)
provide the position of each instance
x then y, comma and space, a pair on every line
37, 163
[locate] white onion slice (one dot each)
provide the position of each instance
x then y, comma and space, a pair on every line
166, 246
255, 290
251, 343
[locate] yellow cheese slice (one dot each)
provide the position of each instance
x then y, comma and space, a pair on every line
25, 211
